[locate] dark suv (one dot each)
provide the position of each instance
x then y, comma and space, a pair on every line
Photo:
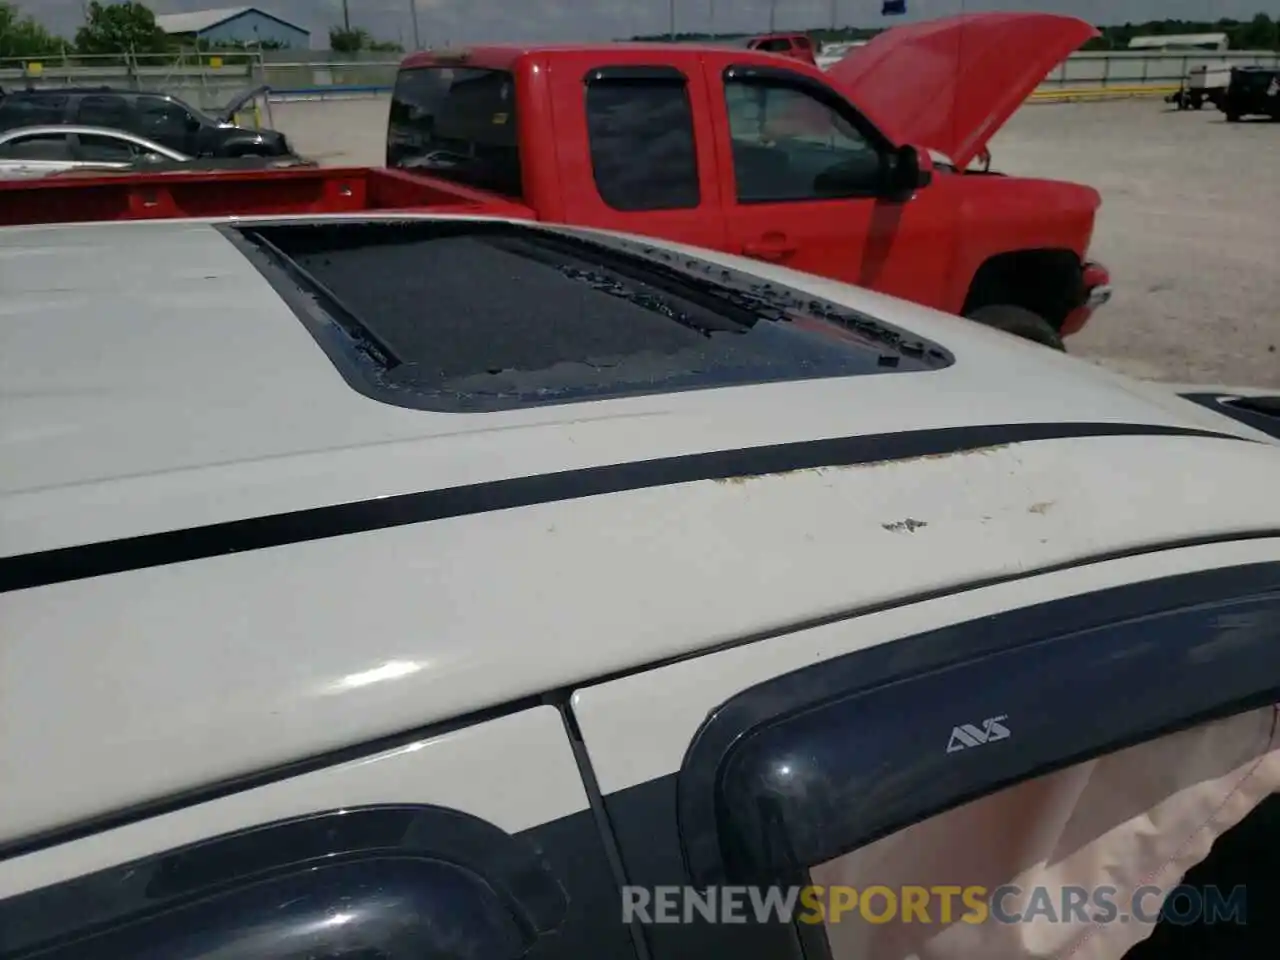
1253, 90
156, 116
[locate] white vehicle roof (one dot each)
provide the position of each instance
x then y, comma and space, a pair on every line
208, 531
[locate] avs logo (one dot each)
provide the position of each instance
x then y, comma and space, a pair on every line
969, 735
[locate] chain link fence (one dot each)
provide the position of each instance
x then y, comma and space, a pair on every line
211, 80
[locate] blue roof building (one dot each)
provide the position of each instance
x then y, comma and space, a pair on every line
234, 26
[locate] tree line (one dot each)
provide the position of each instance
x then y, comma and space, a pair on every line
1260, 33
120, 28
130, 28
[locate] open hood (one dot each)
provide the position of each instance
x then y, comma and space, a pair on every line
228, 113
950, 84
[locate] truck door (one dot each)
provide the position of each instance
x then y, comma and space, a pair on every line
803, 173
628, 156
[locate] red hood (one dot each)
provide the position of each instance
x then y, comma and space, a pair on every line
950, 84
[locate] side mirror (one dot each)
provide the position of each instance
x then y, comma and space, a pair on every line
192, 124
906, 172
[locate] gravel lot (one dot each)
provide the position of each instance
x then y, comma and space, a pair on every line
1190, 223
1190, 227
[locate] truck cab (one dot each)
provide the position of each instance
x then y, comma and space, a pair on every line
830, 172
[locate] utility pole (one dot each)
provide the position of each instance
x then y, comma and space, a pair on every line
413, 12
773, 15
671, 20
346, 17
834, 4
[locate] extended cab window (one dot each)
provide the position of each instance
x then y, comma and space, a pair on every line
642, 142
458, 124
788, 145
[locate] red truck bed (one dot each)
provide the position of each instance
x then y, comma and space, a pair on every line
306, 190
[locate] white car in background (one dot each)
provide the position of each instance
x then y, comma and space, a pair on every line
832, 53
43, 150
412, 587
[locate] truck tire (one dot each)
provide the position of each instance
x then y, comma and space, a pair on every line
1020, 322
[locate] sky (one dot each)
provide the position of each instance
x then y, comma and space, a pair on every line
475, 21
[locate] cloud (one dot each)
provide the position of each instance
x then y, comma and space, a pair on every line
535, 21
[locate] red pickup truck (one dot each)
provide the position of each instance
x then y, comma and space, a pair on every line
858, 173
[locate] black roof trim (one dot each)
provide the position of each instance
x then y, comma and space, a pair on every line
67, 564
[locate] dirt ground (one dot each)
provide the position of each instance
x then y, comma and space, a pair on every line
1190, 223
1190, 227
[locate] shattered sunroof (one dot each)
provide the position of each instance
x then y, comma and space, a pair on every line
473, 316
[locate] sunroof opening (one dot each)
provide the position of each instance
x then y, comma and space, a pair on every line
484, 315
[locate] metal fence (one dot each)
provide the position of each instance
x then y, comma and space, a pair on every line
210, 80
204, 80
1112, 71
1136, 68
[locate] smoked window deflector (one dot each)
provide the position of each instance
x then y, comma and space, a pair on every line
395, 882
811, 765
1261, 413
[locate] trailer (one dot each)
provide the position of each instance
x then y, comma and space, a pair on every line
1204, 83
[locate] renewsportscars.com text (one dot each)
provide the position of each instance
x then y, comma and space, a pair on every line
941, 905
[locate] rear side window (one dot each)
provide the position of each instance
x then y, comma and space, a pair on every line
642, 142
103, 111
20, 111
1254, 81
41, 146
458, 124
